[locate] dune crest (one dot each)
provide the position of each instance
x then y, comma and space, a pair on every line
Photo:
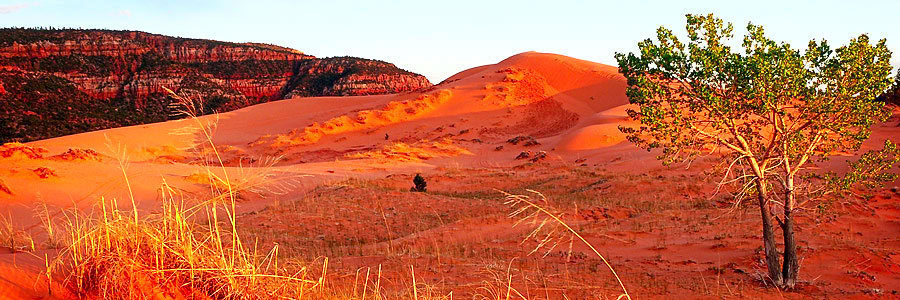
393, 112
417, 151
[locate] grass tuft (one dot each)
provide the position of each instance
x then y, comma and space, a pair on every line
117, 253
13, 239
549, 228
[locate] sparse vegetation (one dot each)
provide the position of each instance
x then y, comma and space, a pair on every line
316, 77
119, 254
79, 154
38, 106
419, 184
525, 140
44, 172
93, 65
12, 238
26, 35
550, 230
19, 150
251, 68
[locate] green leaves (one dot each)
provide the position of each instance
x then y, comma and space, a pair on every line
769, 102
682, 90
870, 170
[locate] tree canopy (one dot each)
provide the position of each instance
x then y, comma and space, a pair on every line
767, 100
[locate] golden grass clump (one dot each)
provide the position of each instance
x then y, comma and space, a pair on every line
13, 239
114, 257
185, 251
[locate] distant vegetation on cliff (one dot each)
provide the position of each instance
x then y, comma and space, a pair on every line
56, 82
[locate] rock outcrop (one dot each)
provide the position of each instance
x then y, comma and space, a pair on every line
57, 82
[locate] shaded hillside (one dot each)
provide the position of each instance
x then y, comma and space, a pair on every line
58, 82
892, 95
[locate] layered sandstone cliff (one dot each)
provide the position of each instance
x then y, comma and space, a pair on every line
125, 72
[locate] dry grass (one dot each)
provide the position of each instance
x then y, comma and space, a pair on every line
116, 253
21, 151
55, 238
418, 151
114, 256
13, 239
409, 236
5, 188
431, 231
549, 229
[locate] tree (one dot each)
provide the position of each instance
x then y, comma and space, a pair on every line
420, 184
769, 112
893, 94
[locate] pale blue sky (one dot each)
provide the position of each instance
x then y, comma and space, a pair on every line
440, 38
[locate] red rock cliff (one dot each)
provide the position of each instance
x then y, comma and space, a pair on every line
131, 68
108, 64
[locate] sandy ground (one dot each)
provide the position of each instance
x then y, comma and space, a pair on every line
338, 172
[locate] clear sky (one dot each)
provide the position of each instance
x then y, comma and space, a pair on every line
440, 38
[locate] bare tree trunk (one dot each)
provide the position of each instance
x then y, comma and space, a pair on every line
772, 261
791, 265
